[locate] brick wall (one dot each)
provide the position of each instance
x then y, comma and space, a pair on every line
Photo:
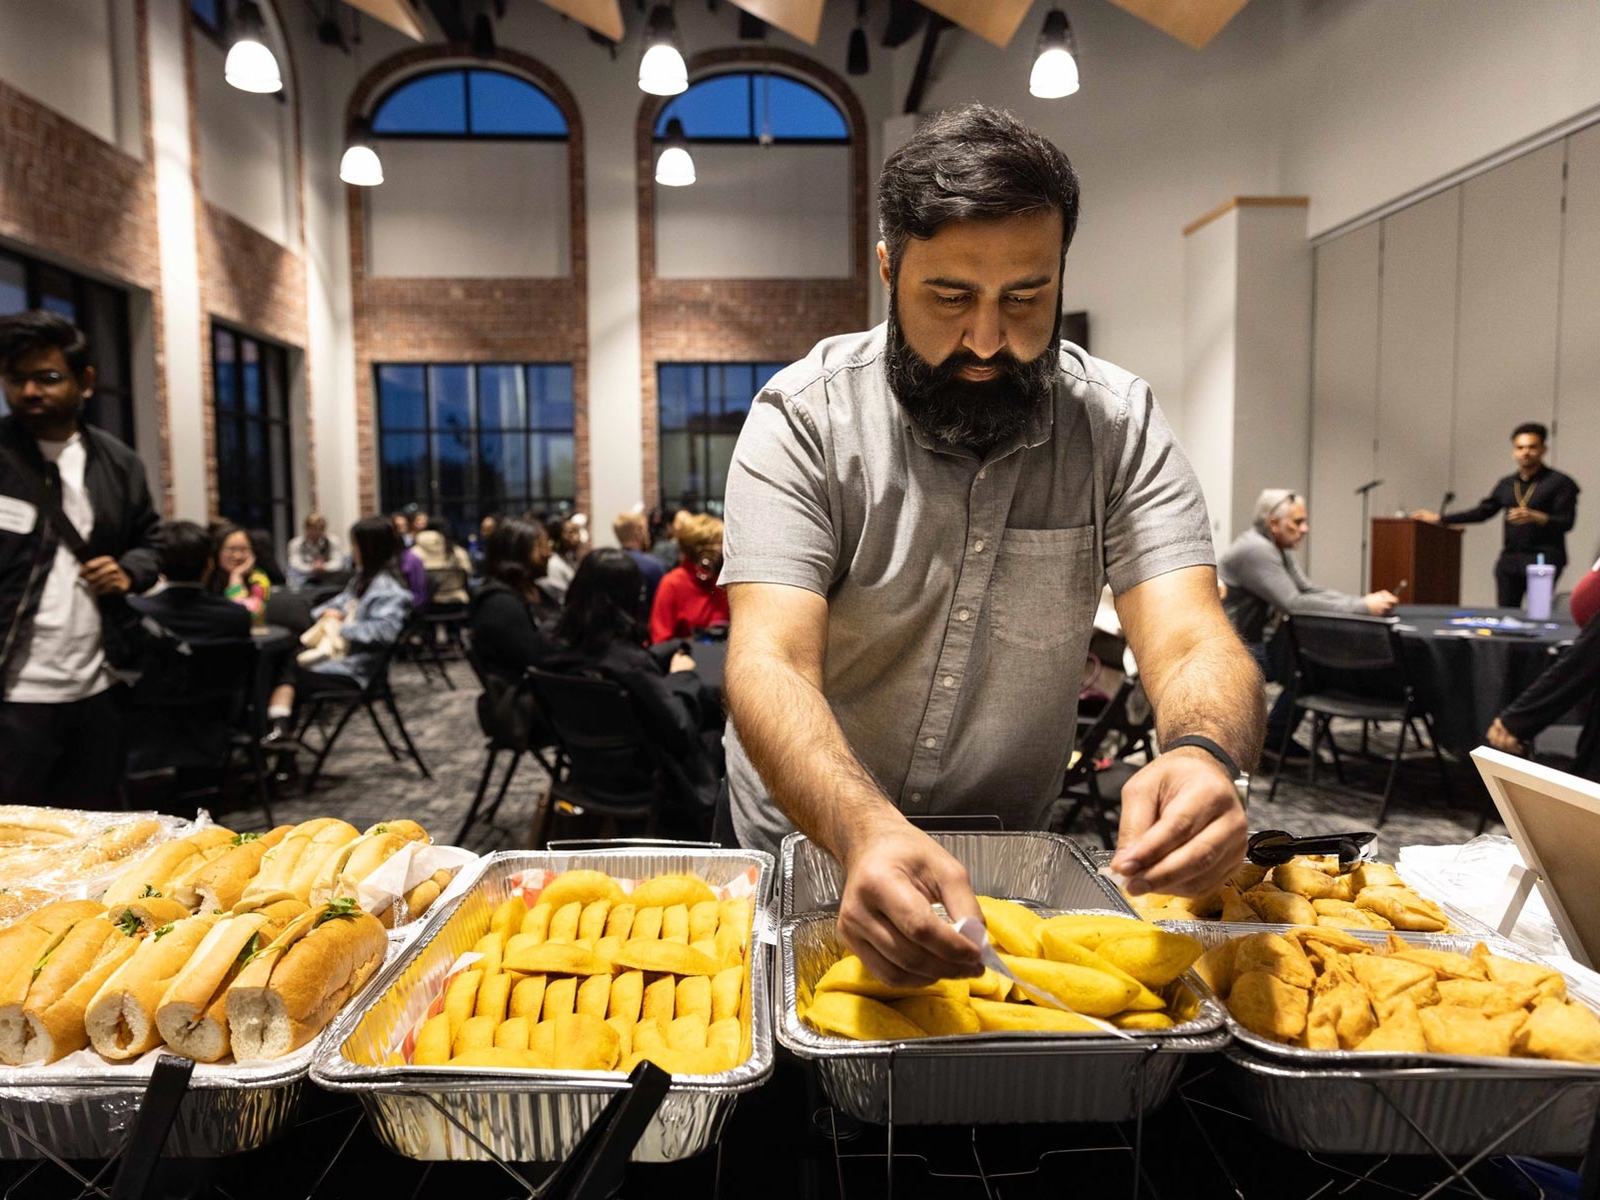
741, 320
248, 279
469, 320
73, 197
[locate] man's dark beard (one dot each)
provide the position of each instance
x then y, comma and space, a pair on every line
978, 414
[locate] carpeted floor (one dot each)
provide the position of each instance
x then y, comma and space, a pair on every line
363, 785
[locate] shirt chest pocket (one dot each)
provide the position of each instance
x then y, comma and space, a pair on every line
1044, 587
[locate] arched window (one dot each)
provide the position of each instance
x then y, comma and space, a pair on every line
468, 103
750, 106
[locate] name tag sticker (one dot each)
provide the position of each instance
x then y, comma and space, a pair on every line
17, 516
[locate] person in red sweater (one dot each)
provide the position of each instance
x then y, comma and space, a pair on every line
688, 597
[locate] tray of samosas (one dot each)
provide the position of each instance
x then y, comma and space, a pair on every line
980, 1051
520, 1009
1366, 1042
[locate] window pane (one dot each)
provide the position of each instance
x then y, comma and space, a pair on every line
765, 372
13, 285
55, 293
797, 111
552, 466
274, 366
223, 348
453, 461
499, 399
550, 397
230, 468
404, 469
718, 107
432, 104
505, 104
278, 449
451, 389
102, 324
678, 469
250, 373
672, 389
721, 447
503, 466
402, 400
257, 476
459, 513
206, 11
732, 385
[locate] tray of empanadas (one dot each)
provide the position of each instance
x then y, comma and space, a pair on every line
516, 1015
1364, 1041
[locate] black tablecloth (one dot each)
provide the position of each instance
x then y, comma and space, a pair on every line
1466, 680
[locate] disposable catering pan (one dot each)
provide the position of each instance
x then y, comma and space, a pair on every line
1349, 1102
85, 1107
452, 1113
1043, 870
986, 1078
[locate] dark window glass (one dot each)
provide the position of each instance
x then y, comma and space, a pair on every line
208, 13
13, 285
432, 104
504, 104
702, 408
462, 440
250, 381
744, 105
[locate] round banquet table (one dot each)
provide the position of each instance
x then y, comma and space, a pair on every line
1466, 676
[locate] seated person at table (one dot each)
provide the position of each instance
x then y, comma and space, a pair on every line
236, 575
688, 597
313, 552
1570, 680
566, 543
1263, 581
633, 535
511, 615
368, 616
602, 630
183, 606
447, 565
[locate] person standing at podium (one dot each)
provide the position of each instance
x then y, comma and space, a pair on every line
1263, 581
1540, 504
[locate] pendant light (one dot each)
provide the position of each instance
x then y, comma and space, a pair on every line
360, 165
251, 66
675, 168
856, 62
1055, 66
661, 70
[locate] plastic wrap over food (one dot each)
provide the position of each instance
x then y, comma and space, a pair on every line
49, 854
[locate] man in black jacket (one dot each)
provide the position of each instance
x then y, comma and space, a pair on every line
1540, 504
60, 722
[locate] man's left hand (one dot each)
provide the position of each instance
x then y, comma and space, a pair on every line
1502, 738
1183, 827
105, 577
1527, 516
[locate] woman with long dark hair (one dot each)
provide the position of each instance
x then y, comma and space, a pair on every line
362, 621
511, 614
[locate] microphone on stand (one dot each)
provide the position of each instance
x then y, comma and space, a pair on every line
1445, 503
1367, 487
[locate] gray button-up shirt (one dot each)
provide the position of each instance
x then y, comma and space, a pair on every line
960, 592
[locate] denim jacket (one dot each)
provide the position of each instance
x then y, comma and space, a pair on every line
378, 620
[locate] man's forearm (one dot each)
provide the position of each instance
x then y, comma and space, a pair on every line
1212, 689
795, 743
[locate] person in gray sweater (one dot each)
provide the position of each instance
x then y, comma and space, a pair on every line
1263, 581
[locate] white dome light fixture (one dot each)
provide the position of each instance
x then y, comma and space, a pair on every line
675, 168
662, 71
360, 165
251, 66
1055, 67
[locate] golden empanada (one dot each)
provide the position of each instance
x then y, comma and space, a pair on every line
1279, 907
1269, 1007
862, 1018
938, 1015
1399, 1031
1012, 927
1451, 1030
1561, 1030
1271, 954
1403, 908
1385, 977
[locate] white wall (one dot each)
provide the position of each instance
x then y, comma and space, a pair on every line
62, 53
246, 147
1211, 300
758, 212
471, 209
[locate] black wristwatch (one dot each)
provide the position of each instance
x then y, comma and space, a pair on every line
1241, 780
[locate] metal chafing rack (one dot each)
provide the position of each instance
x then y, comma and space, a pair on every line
450, 1113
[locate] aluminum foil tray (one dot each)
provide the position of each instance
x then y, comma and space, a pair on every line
1345, 1102
985, 1079
1042, 870
74, 1111
449, 1113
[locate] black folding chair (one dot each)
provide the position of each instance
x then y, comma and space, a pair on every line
1354, 667
350, 697
611, 767
1113, 733
523, 733
186, 722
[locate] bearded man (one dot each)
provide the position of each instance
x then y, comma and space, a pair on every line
920, 519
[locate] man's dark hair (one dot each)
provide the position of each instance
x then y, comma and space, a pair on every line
972, 163
25, 332
184, 551
1533, 427
605, 603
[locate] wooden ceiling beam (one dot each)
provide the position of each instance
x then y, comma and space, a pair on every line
602, 16
798, 18
1192, 22
995, 21
403, 15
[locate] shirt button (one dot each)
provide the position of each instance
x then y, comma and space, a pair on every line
977, 546
983, 472
962, 615
916, 797
930, 743
949, 681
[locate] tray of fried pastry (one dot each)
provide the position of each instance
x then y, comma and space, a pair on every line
516, 1015
1365, 1041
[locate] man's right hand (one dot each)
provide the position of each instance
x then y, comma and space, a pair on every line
1424, 514
1380, 603
886, 914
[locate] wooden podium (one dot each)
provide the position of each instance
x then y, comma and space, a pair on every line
1418, 561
